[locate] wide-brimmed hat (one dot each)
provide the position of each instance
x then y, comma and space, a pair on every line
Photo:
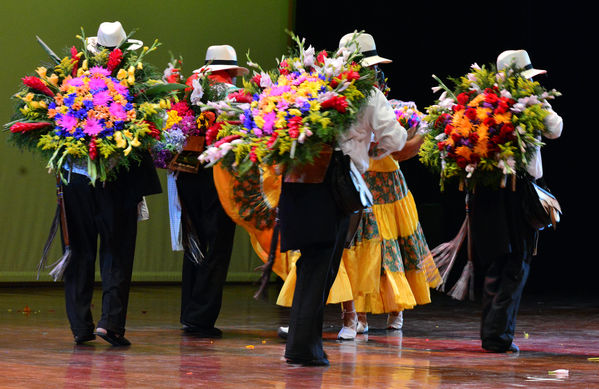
111, 35
521, 59
222, 57
366, 46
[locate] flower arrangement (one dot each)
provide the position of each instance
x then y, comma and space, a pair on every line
408, 115
188, 115
95, 109
285, 115
487, 128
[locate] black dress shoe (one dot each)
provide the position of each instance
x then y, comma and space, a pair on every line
202, 332
113, 338
80, 339
513, 348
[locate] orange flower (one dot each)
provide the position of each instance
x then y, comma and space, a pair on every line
503, 117
464, 152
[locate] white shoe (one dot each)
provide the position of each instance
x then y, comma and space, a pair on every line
282, 332
395, 322
346, 333
362, 328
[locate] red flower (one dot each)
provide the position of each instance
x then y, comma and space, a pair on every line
93, 152
507, 130
321, 56
471, 114
463, 98
37, 84
337, 102
491, 98
253, 156
114, 59
227, 139
294, 125
457, 107
502, 107
489, 121
256, 79
25, 127
273, 138
283, 67
461, 161
154, 131
241, 97
448, 129
75, 60
182, 108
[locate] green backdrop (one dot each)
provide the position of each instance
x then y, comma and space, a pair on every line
185, 28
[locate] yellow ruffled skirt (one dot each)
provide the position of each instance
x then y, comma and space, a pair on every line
390, 267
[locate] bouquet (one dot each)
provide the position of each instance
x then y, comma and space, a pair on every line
188, 116
286, 115
408, 115
94, 110
486, 128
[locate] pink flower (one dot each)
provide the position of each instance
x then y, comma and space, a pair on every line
96, 83
92, 127
67, 122
269, 122
102, 98
117, 111
99, 70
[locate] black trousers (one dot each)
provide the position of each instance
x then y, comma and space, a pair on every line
106, 212
502, 291
311, 222
202, 284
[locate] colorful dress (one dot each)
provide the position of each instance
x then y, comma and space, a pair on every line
389, 268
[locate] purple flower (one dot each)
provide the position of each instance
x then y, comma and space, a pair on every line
96, 84
67, 122
102, 98
99, 70
117, 111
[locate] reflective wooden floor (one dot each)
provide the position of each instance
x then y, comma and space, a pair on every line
438, 347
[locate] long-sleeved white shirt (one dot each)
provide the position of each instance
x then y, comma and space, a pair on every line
553, 129
375, 117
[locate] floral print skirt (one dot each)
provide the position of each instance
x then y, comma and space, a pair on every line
389, 268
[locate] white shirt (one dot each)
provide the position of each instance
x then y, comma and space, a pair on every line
375, 117
553, 129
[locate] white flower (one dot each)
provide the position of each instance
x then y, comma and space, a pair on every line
442, 136
309, 57
471, 77
500, 76
470, 168
505, 93
198, 92
436, 89
475, 66
446, 103
265, 81
518, 107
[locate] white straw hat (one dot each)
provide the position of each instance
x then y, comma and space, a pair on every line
521, 59
366, 46
222, 57
111, 35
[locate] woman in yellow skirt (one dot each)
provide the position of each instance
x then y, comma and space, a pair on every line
390, 266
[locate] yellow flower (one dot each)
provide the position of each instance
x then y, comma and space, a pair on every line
127, 150
41, 71
53, 79
140, 65
131, 71
84, 65
28, 97
295, 112
135, 142
120, 142
131, 80
122, 74
128, 134
80, 72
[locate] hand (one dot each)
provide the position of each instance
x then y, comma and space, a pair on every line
410, 149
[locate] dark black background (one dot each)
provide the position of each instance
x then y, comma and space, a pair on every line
425, 38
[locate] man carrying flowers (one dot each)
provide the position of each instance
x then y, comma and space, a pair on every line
96, 117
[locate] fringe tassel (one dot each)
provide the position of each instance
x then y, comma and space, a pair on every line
61, 265
445, 254
51, 235
190, 242
465, 284
262, 292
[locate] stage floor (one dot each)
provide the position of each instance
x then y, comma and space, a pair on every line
438, 347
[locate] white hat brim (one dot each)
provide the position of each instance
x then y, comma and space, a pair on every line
530, 73
236, 70
92, 44
374, 60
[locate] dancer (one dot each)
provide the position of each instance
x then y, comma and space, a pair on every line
203, 281
311, 222
503, 241
110, 210
390, 267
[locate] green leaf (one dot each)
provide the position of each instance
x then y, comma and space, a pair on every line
164, 89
